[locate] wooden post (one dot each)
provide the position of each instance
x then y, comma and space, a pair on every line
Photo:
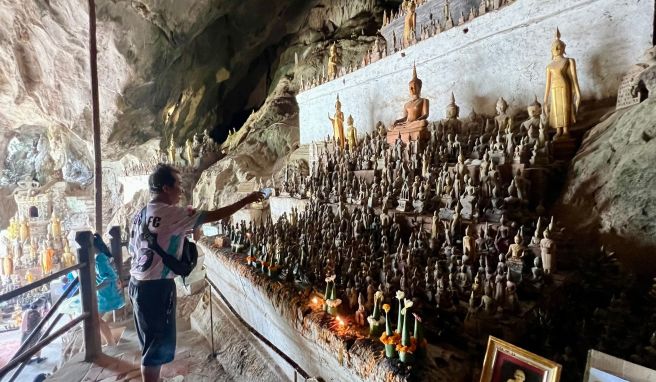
117, 252
95, 108
85, 254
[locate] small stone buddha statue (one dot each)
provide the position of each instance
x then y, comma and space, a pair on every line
189, 152
532, 125
452, 125
337, 122
547, 251
416, 109
171, 150
562, 95
351, 133
502, 118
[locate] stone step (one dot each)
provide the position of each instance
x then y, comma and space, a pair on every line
303, 152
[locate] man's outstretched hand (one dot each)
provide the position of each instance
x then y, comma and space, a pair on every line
254, 197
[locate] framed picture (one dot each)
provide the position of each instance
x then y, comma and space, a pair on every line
505, 362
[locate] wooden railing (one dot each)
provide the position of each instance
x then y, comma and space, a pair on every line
88, 317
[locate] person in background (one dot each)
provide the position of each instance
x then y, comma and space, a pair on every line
31, 318
108, 291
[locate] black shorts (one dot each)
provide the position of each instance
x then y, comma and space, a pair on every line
153, 305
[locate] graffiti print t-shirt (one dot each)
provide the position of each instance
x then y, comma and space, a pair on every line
170, 223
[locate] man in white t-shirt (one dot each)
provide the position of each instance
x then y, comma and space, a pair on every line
152, 290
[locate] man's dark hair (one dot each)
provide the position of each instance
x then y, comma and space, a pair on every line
163, 175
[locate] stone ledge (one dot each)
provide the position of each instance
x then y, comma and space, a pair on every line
308, 336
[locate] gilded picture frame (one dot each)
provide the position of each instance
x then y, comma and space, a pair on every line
505, 362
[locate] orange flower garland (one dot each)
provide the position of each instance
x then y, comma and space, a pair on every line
395, 338
407, 349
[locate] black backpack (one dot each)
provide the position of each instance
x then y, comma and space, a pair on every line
182, 267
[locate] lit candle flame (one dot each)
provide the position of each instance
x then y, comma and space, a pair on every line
340, 321
315, 300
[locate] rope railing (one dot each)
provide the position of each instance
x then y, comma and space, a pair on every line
297, 368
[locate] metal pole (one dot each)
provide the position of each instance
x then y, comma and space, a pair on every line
93, 61
211, 320
85, 255
117, 252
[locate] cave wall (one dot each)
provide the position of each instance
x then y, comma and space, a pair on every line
503, 53
613, 180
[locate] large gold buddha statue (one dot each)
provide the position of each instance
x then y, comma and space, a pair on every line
410, 25
562, 95
338, 123
416, 110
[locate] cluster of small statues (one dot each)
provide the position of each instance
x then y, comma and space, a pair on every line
412, 33
408, 11
364, 256
22, 249
193, 151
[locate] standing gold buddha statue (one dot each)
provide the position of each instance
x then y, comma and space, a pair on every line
333, 61
562, 95
410, 25
338, 124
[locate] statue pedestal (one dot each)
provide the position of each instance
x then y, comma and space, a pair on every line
407, 134
516, 267
405, 205
564, 148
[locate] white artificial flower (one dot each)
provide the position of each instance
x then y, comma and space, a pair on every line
400, 294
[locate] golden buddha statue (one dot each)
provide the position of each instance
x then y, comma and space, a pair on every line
8, 265
12, 229
351, 133
67, 257
47, 258
29, 277
171, 150
332, 62
338, 123
416, 110
410, 25
24, 230
55, 225
562, 95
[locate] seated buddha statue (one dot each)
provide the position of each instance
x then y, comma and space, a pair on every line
415, 111
452, 125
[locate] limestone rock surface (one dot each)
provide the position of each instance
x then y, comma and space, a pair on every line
610, 192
